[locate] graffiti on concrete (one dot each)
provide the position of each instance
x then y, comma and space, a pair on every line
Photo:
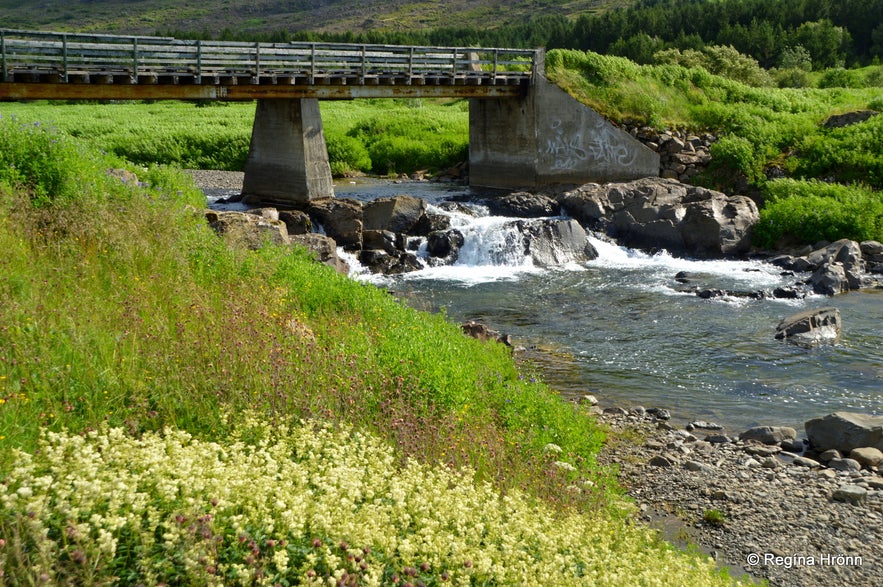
605, 147
567, 151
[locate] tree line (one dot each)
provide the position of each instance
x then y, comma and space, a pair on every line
822, 33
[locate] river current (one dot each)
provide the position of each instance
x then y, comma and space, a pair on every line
624, 329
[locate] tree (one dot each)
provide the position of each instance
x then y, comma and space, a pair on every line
827, 44
795, 57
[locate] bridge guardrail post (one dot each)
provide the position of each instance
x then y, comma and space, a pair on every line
135, 60
538, 67
496, 65
364, 66
3, 75
199, 61
454, 64
257, 63
312, 63
410, 64
64, 74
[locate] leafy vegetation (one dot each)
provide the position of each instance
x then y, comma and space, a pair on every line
714, 517
812, 211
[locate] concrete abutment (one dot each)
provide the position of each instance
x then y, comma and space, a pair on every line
287, 160
549, 138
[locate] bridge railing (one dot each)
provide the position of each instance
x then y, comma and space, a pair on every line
32, 56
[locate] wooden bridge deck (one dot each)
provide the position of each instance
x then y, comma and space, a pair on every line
50, 65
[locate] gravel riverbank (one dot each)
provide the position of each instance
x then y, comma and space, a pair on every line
756, 508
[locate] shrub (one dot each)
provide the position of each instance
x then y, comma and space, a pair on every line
347, 155
43, 161
736, 153
721, 60
811, 211
792, 78
839, 77
852, 154
714, 517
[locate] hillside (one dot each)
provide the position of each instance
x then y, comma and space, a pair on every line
255, 16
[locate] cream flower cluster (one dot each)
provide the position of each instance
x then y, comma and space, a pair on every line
305, 504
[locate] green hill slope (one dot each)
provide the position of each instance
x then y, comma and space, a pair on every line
251, 16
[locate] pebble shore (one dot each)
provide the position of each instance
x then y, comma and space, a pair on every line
757, 509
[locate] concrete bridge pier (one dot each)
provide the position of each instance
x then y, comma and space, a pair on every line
287, 160
549, 138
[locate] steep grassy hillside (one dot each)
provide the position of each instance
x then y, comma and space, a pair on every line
213, 16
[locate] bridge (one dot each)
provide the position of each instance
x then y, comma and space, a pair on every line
524, 131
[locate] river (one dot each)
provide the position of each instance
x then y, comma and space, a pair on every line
624, 329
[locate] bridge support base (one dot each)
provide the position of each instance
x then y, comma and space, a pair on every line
287, 160
549, 138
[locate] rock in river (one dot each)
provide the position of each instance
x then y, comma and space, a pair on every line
811, 326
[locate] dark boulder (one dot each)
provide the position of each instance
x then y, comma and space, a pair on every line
396, 214
811, 327
845, 431
340, 219
523, 205
323, 248
664, 213
444, 244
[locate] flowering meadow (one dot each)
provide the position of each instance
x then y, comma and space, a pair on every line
303, 504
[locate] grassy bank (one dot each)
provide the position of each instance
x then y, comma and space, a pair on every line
151, 384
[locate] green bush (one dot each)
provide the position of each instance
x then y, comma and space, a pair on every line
807, 212
43, 161
839, 77
736, 153
792, 78
347, 155
852, 154
720, 60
